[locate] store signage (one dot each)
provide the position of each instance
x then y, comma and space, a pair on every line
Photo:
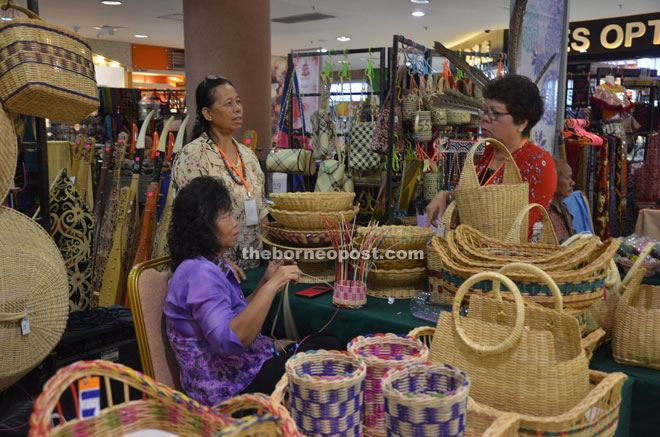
631, 34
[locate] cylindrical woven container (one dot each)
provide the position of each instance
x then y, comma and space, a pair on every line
492, 208
310, 220
46, 70
326, 389
349, 294
382, 352
422, 126
8, 154
432, 184
410, 106
425, 399
34, 295
313, 201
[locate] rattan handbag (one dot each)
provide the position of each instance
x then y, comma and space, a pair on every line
46, 70
520, 357
292, 161
492, 208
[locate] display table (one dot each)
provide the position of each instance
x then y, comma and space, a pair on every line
648, 223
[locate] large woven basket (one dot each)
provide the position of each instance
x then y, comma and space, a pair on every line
297, 236
492, 208
310, 220
397, 277
34, 295
425, 399
326, 389
46, 70
382, 352
637, 325
597, 414
313, 201
8, 154
398, 237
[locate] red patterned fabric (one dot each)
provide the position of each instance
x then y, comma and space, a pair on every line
536, 167
602, 194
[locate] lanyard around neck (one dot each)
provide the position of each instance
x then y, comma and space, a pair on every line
490, 179
241, 173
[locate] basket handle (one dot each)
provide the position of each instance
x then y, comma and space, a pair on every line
633, 280
469, 178
496, 278
613, 279
534, 270
637, 265
447, 216
259, 401
521, 224
26, 11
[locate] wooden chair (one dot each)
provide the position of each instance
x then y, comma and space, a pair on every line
147, 288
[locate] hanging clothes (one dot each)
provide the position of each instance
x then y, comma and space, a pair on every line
610, 100
602, 194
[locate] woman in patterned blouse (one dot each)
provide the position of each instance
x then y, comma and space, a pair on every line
214, 152
511, 109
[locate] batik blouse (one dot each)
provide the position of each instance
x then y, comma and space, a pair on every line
202, 158
537, 168
202, 299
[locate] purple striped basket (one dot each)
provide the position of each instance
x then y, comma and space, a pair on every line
425, 399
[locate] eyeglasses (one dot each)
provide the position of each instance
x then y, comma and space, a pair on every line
492, 115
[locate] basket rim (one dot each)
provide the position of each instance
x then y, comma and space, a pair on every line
277, 210
359, 372
426, 367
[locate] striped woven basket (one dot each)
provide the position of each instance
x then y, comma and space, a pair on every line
46, 70
382, 352
425, 399
349, 294
326, 392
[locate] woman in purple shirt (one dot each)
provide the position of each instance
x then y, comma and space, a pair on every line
212, 328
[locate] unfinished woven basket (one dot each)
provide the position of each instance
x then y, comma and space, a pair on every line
313, 201
382, 352
299, 237
34, 295
8, 154
310, 220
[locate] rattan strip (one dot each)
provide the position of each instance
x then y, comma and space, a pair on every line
425, 399
311, 220
313, 201
326, 392
381, 352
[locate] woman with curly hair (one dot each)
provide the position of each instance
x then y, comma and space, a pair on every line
212, 327
512, 107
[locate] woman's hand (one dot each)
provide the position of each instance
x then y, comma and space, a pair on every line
282, 275
436, 208
238, 272
274, 265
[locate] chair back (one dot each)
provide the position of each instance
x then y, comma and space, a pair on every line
147, 289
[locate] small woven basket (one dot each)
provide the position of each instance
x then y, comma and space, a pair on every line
432, 184
313, 201
425, 399
8, 154
326, 389
302, 238
422, 126
310, 220
46, 70
382, 352
349, 294
410, 106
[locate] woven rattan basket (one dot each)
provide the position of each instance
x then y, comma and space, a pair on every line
34, 295
425, 399
271, 418
597, 414
8, 154
310, 220
46, 70
349, 294
313, 201
399, 237
298, 237
519, 228
492, 208
326, 389
382, 352
398, 277
432, 184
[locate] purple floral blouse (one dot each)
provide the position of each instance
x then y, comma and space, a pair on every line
202, 298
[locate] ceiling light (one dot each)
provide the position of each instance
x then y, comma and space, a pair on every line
141, 36
111, 2
343, 38
423, 2
115, 64
418, 14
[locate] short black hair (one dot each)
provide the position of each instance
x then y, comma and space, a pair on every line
205, 98
521, 97
192, 231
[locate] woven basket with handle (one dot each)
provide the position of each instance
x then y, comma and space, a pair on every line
46, 70
492, 208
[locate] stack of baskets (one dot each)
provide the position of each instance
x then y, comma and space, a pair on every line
579, 269
300, 224
401, 272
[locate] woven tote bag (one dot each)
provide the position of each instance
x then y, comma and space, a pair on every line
379, 142
493, 208
46, 70
360, 156
520, 356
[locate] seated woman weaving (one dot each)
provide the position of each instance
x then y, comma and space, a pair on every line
212, 327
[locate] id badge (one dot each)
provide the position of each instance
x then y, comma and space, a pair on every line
251, 216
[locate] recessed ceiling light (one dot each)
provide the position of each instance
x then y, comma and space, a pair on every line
141, 36
343, 38
424, 2
111, 2
418, 14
